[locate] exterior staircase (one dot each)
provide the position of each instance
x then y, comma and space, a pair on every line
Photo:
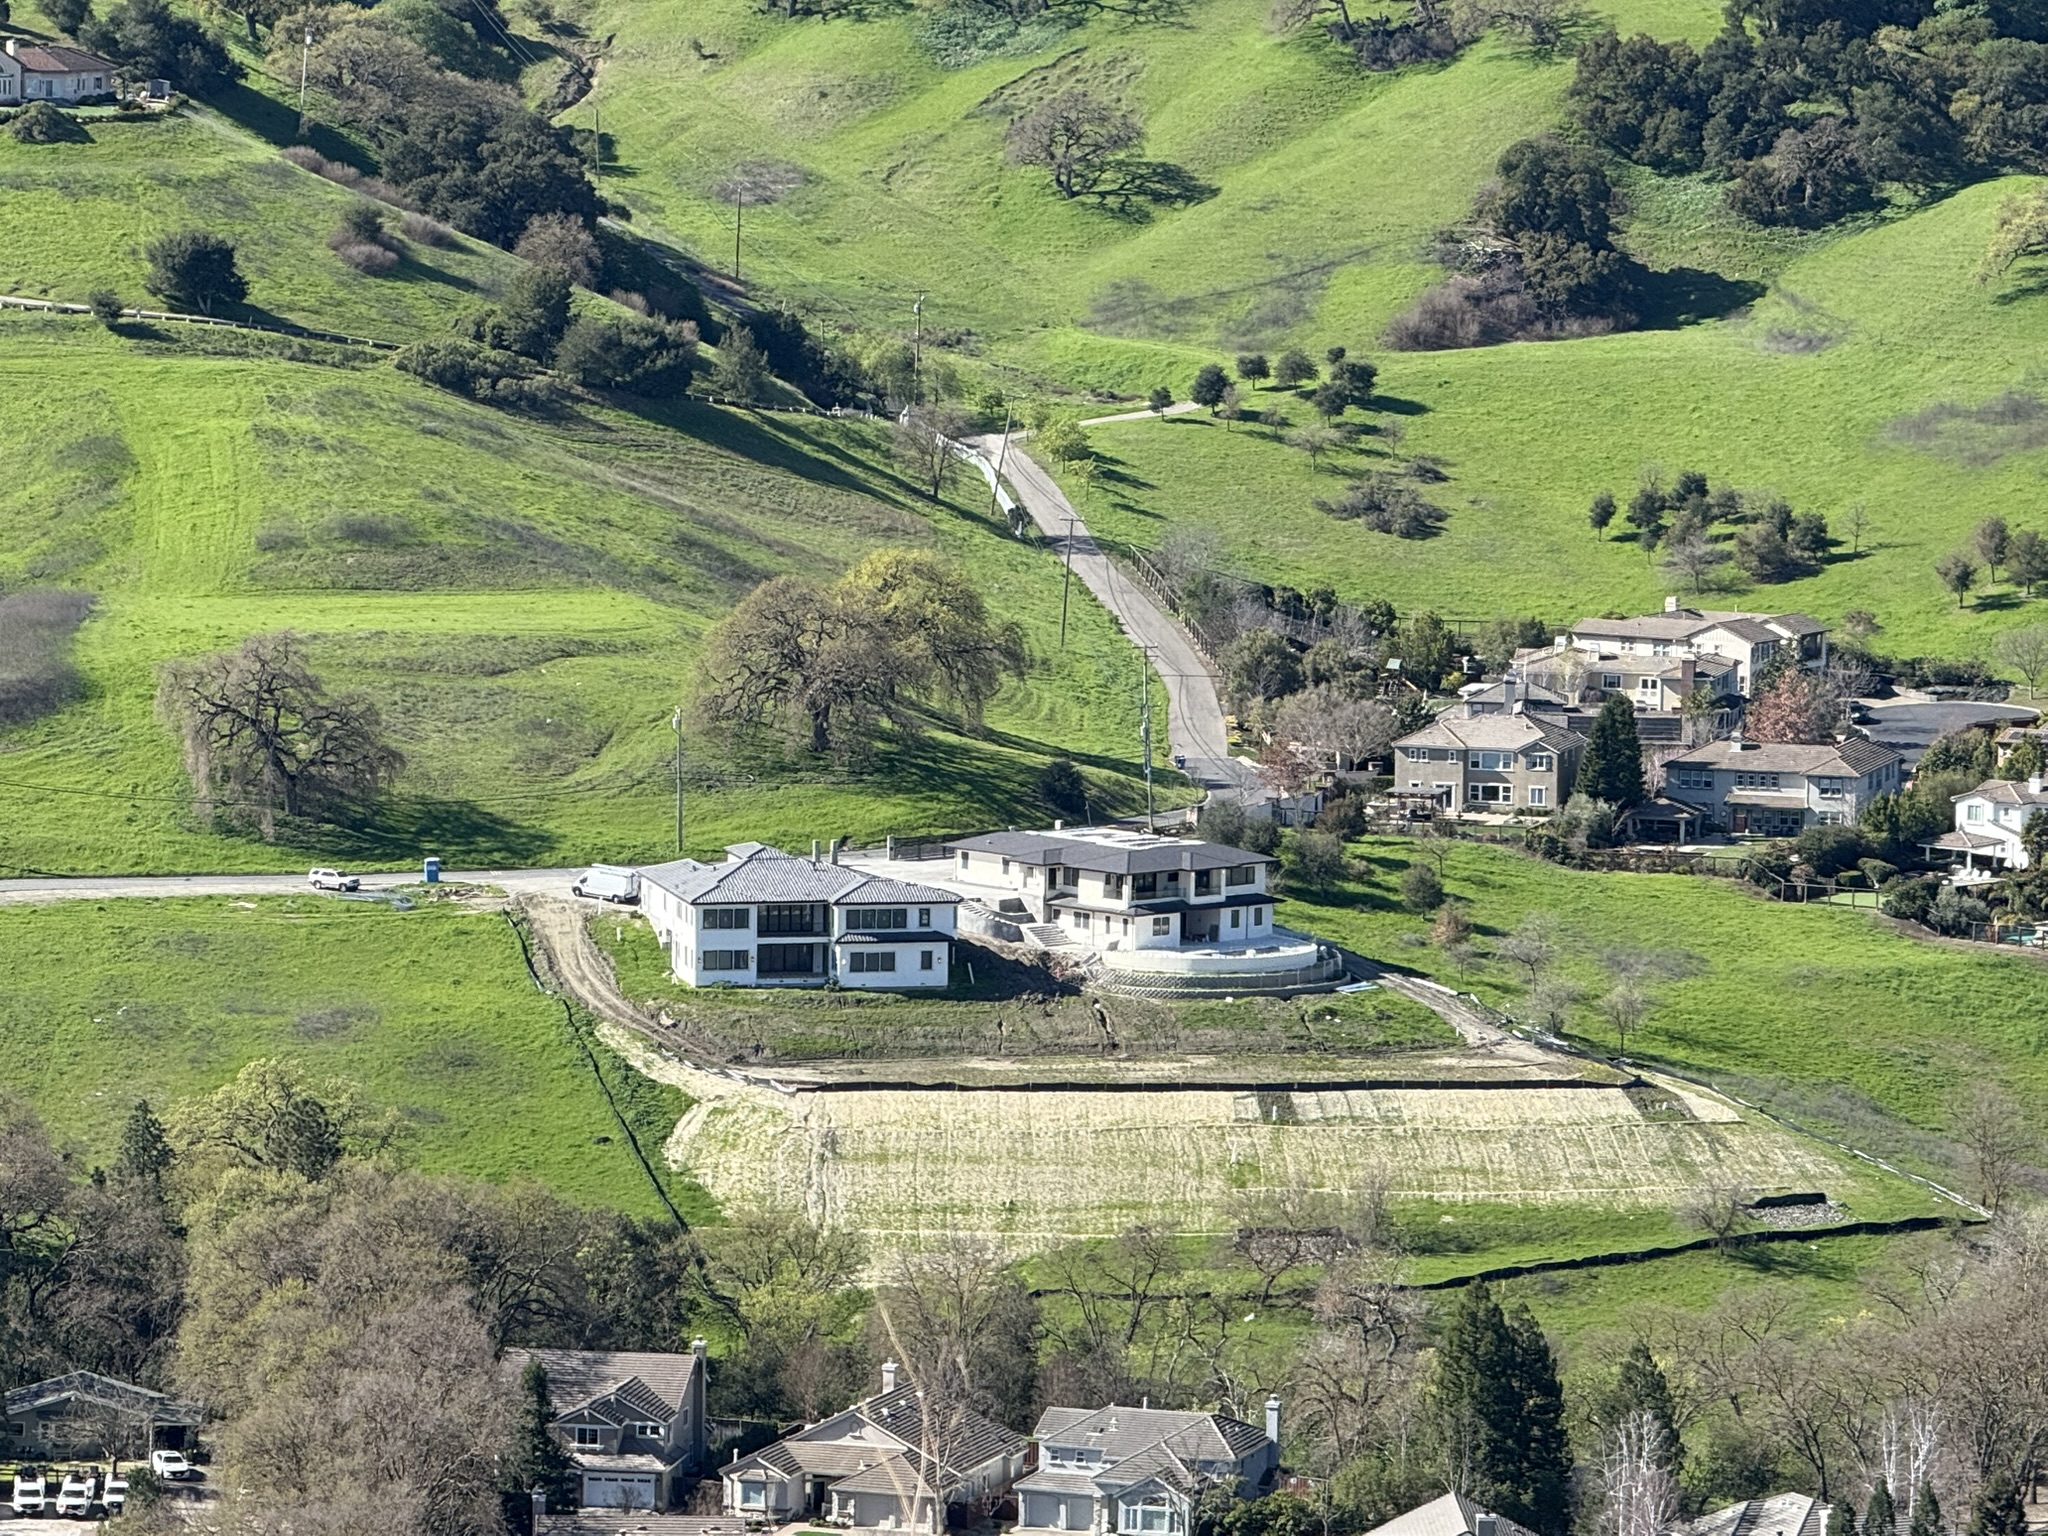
1048, 935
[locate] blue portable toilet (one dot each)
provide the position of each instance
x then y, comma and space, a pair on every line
433, 871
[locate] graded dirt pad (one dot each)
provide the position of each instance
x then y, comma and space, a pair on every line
1034, 1169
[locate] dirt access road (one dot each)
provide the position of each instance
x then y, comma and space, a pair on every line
514, 882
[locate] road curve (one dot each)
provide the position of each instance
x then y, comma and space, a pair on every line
1194, 714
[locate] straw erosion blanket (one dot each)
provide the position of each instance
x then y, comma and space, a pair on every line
1035, 1169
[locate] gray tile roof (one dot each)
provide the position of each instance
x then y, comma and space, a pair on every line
1119, 1433
1495, 733
1132, 854
576, 1376
756, 874
1851, 758
962, 1442
2004, 792
1451, 1515
1783, 1514
82, 1391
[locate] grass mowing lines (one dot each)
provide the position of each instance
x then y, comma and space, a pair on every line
1038, 1168
1827, 1013
523, 599
429, 1010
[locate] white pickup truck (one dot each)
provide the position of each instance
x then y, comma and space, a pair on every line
80, 1492
29, 1491
332, 880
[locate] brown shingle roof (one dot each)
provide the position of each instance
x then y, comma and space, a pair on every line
56, 59
1852, 758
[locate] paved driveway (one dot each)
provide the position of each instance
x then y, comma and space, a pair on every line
1908, 728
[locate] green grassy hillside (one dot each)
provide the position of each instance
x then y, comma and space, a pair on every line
523, 599
1826, 1012
1812, 393
429, 1011
1330, 182
79, 216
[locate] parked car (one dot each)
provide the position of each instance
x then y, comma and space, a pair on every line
171, 1464
608, 882
115, 1495
29, 1495
80, 1492
332, 880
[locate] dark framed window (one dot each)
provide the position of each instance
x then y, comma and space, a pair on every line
729, 917
790, 917
787, 960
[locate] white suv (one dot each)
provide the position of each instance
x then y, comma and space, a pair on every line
171, 1464
332, 880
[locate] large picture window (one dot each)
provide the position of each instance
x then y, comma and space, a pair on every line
728, 917
725, 959
788, 960
864, 960
790, 917
1153, 1515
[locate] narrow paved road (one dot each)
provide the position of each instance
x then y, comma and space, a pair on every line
1194, 714
516, 882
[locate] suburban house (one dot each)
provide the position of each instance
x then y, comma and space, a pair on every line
632, 1422
1990, 822
1490, 760
1782, 1514
1654, 684
1777, 789
765, 918
89, 1416
889, 1463
1120, 1471
51, 72
1451, 1515
1627, 649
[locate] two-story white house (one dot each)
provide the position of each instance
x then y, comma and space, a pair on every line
891, 1462
1120, 1471
765, 918
1778, 789
631, 1421
1991, 824
1121, 892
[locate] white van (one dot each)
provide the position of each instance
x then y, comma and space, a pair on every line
29, 1496
608, 882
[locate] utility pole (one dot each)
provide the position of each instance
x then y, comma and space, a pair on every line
917, 352
1067, 581
739, 209
305, 59
995, 488
596, 143
676, 724
1145, 682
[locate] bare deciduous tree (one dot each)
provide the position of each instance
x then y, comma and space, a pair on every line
1721, 1210
1638, 1494
1999, 1139
1076, 136
2026, 652
921, 441
263, 738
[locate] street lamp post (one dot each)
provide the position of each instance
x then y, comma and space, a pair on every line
676, 725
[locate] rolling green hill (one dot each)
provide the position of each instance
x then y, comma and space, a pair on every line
1805, 367
522, 598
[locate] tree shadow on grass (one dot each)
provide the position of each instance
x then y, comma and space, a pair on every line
1688, 296
1396, 405
276, 123
739, 432
456, 831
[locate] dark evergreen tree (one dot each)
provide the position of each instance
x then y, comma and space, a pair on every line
1640, 1387
145, 1151
1926, 1513
1880, 1519
1999, 1510
1544, 1453
537, 1459
1210, 382
1612, 769
1501, 1413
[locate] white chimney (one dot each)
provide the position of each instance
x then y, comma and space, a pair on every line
2033, 783
888, 1375
1671, 604
1273, 1419
698, 1348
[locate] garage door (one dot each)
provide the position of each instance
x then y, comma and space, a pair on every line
618, 1490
